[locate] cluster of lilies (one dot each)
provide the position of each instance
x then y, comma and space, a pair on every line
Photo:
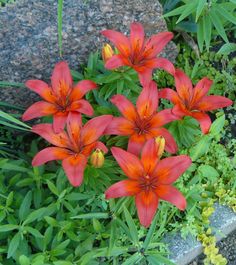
150, 178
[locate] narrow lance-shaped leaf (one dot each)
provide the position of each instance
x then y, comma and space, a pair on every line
132, 226
14, 244
200, 34
207, 27
200, 6
214, 16
189, 9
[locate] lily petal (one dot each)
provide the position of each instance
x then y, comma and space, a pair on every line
114, 62
59, 121
147, 101
145, 77
122, 188
171, 145
119, 40
82, 106
128, 162
171, 168
183, 85
74, 168
39, 109
81, 88
126, 108
46, 132
146, 203
213, 102
162, 117
169, 94
50, 154
201, 89
149, 156
61, 79
172, 195
163, 64
136, 143
74, 124
204, 121
94, 129
120, 126
42, 89
156, 44
136, 37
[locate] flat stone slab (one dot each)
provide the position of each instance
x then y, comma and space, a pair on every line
29, 39
222, 221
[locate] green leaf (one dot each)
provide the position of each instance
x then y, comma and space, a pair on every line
35, 215
207, 27
137, 257
150, 233
11, 84
200, 6
10, 118
33, 232
189, 9
156, 259
200, 34
214, 16
112, 238
52, 188
92, 215
13, 245
176, 11
23, 260
132, 226
208, 172
200, 148
9, 199
227, 15
227, 48
59, 25
8, 227
217, 126
25, 206
233, 1
62, 262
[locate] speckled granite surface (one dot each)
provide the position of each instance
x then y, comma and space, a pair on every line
28, 35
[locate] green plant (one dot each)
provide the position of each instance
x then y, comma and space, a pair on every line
211, 17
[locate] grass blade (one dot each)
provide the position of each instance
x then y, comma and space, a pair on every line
59, 25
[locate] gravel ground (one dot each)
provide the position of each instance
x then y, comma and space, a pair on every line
227, 247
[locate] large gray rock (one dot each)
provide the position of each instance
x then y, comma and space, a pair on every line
28, 36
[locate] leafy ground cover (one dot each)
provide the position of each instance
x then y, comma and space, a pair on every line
44, 220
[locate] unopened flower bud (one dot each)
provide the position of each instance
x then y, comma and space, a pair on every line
160, 143
107, 52
97, 158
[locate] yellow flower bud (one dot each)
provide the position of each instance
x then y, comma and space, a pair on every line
97, 158
107, 52
160, 142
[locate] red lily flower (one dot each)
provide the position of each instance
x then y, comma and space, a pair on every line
194, 102
73, 147
144, 122
61, 98
139, 53
149, 180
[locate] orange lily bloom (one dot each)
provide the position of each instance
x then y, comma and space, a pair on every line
194, 102
144, 122
149, 180
138, 53
60, 98
73, 147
